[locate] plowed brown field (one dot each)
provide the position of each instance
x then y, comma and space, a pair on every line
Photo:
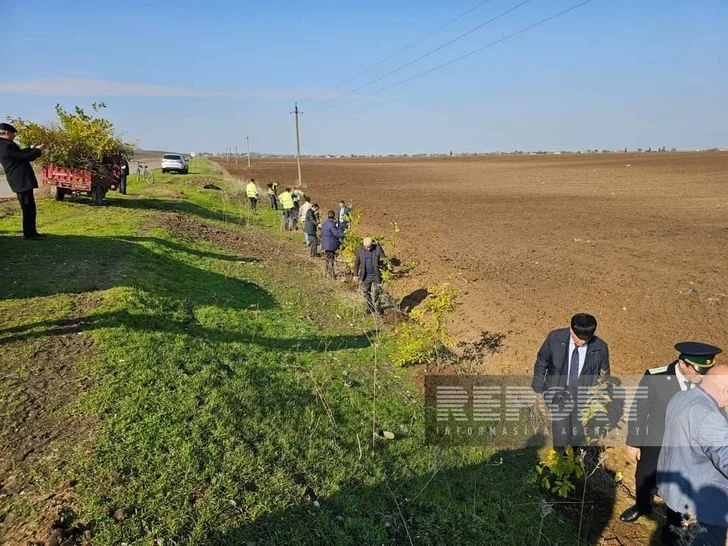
639, 240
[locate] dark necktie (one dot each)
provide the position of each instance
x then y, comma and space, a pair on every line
574, 369
687, 384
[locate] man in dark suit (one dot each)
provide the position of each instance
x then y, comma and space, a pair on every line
570, 358
20, 175
646, 431
310, 227
368, 264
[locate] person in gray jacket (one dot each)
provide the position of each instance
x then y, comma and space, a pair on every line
692, 471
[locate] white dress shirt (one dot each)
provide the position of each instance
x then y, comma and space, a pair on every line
582, 357
682, 379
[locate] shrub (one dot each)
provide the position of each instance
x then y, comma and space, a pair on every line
414, 344
419, 340
78, 140
558, 473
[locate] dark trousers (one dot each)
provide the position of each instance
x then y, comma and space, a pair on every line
27, 205
330, 264
273, 201
289, 219
646, 478
566, 429
253, 203
313, 243
370, 289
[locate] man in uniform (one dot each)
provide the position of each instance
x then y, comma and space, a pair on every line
692, 472
568, 359
644, 438
20, 175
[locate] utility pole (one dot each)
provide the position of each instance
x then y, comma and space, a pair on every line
296, 111
236, 155
248, 139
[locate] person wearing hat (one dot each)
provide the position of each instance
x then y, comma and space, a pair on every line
644, 438
20, 175
692, 471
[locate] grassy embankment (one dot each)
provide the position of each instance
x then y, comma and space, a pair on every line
181, 364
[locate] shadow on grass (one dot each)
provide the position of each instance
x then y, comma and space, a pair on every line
161, 270
486, 503
182, 325
235, 216
76, 264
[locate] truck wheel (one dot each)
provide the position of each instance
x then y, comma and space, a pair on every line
58, 193
97, 194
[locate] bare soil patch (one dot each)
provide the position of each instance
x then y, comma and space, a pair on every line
38, 432
639, 240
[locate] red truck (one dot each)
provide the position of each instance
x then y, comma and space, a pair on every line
67, 181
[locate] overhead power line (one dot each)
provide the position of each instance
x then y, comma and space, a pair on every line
427, 54
410, 46
473, 52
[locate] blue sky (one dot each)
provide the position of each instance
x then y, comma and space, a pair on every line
610, 74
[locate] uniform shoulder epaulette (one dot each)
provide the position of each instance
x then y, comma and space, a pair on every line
655, 371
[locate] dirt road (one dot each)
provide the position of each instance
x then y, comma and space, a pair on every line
639, 240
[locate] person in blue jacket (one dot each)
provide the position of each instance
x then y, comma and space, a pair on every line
330, 235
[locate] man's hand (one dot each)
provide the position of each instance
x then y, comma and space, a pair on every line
634, 453
37, 146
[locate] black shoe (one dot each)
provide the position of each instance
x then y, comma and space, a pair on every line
632, 514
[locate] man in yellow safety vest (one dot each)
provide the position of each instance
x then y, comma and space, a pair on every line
289, 213
252, 190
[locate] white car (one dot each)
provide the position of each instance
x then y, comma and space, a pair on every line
175, 162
